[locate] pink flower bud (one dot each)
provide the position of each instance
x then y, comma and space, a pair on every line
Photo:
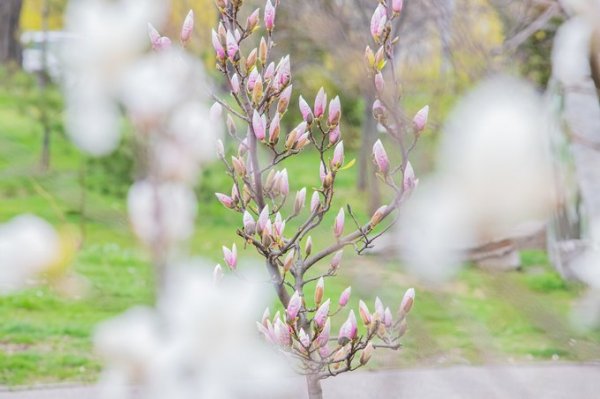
387, 318
407, 301
378, 21
252, 20
366, 354
304, 338
252, 78
249, 223
243, 147
304, 109
335, 111
300, 200
220, 149
348, 330
381, 158
294, 306
259, 123
409, 181
334, 134
154, 36
164, 43
232, 45
379, 83
283, 71
378, 215
320, 103
302, 141
269, 15
235, 194
284, 187
279, 225
226, 200
230, 256
237, 35
188, 27
217, 273
282, 333
322, 313
284, 100
274, 129
289, 260
315, 202
216, 111
308, 246
323, 337
338, 155
379, 308
217, 45
338, 226
235, 84
378, 110
324, 351
420, 119
397, 6
238, 166
319, 290
270, 71
267, 233
336, 260
345, 297
364, 312
263, 217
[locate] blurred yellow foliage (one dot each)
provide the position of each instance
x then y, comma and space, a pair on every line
31, 14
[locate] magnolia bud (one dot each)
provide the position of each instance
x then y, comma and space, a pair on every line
335, 112
420, 119
263, 217
364, 312
380, 58
407, 301
304, 338
270, 71
322, 312
345, 297
336, 260
154, 36
320, 103
334, 134
323, 337
216, 111
308, 246
379, 83
338, 156
269, 16
369, 57
243, 147
252, 78
387, 318
294, 306
252, 20
397, 6
217, 273
235, 194
221, 4
238, 166
302, 141
315, 202
300, 200
381, 158
284, 187
283, 71
230, 256
378, 110
163, 43
282, 333
262, 51
265, 317
274, 129
259, 125
279, 225
366, 353
225, 200
289, 260
305, 110
378, 21
232, 46
338, 226
251, 60
320, 287
379, 309
249, 223
402, 328
284, 100
222, 31
235, 84
267, 233
187, 28
257, 91
409, 180
348, 330
378, 215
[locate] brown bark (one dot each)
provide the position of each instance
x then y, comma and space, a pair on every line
10, 47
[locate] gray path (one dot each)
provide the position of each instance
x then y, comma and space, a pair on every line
549, 381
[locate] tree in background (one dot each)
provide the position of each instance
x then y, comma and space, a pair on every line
10, 48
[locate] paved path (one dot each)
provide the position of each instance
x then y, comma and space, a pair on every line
548, 381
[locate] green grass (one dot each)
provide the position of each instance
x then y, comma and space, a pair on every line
478, 317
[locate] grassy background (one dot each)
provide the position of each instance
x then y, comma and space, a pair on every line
477, 318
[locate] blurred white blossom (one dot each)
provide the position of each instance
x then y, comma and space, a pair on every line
28, 246
494, 174
200, 342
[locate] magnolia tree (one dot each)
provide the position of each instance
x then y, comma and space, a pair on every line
261, 89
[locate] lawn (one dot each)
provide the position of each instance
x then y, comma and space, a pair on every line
476, 318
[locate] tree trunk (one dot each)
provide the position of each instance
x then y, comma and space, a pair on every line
10, 47
313, 383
